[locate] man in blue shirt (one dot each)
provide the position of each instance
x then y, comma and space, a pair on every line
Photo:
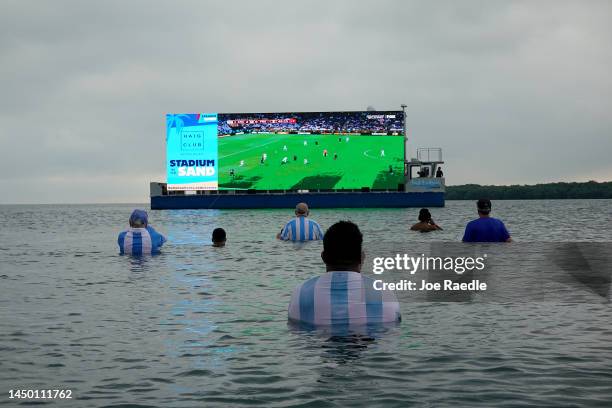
301, 228
140, 238
486, 228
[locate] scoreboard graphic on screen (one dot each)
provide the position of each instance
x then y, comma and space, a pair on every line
285, 151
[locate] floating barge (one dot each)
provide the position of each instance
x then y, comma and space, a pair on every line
336, 199
421, 191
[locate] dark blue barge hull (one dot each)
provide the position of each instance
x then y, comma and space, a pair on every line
289, 200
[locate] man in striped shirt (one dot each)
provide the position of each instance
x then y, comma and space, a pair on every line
301, 228
140, 238
342, 297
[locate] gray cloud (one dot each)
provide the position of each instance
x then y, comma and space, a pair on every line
515, 92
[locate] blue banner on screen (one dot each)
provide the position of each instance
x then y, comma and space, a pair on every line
191, 151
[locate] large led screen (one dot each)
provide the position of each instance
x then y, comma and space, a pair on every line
285, 151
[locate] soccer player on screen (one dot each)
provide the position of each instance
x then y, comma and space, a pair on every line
382, 152
305, 161
241, 163
325, 153
347, 139
285, 148
284, 161
305, 143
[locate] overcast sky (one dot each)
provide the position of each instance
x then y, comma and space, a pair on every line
514, 92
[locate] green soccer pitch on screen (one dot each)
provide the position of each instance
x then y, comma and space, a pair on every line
311, 150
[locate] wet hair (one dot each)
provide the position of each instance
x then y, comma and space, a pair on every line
342, 244
218, 235
424, 215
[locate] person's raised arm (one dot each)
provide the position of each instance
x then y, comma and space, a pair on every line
434, 225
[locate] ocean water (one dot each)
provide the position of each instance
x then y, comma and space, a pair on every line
202, 326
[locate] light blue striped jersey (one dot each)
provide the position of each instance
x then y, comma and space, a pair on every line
301, 229
342, 299
140, 241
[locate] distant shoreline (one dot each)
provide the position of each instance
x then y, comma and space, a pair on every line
546, 191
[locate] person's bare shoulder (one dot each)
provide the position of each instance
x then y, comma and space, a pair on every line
422, 227
416, 227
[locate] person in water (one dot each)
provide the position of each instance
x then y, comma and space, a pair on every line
219, 237
486, 228
342, 296
426, 223
301, 228
140, 238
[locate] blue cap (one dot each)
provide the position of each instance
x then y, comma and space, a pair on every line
139, 216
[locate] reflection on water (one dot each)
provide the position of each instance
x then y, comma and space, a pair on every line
204, 326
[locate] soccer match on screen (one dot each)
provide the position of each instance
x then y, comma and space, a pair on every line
287, 151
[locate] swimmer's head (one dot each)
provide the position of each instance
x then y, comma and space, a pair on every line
218, 237
302, 210
424, 215
342, 247
484, 206
139, 219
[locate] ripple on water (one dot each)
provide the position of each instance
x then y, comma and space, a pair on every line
199, 326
